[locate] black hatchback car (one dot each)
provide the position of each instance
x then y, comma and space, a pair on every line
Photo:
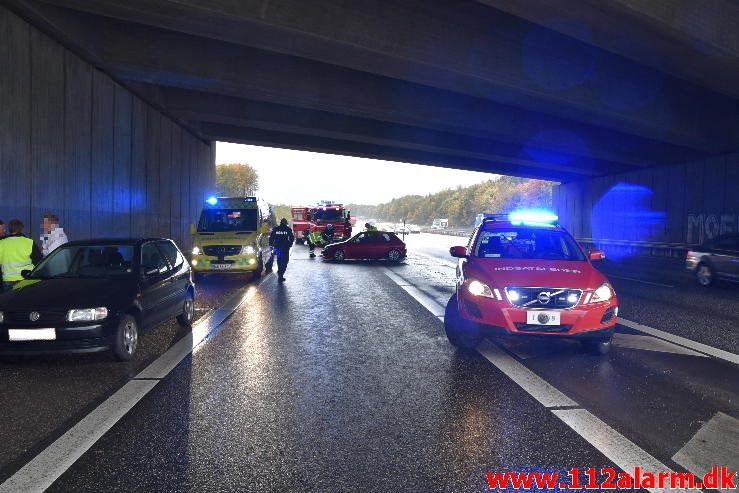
97, 295
715, 259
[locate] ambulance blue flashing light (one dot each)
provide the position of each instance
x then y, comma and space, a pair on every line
212, 200
533, 217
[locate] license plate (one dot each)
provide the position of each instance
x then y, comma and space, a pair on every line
221, 266
542, 318
31, 334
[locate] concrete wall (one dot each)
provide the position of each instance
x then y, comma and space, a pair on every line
686, 203
75, 143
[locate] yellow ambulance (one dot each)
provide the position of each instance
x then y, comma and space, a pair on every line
232, 236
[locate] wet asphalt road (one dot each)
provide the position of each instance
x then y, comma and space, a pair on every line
42, 396
339, 380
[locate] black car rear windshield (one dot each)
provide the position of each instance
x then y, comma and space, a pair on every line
225, 220
527, 244
86, 261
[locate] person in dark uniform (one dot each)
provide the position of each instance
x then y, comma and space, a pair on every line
281, 239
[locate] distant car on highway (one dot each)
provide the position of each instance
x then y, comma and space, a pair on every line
415, 229
402, 230
526, 276
97, 295
367, 245
716, 259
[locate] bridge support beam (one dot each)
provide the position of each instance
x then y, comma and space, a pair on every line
75, 143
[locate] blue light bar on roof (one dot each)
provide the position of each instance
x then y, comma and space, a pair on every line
212, 200
533, 216
250, 199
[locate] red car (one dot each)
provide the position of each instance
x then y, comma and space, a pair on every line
367, 245
529, 277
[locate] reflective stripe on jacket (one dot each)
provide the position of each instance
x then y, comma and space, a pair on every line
15, 257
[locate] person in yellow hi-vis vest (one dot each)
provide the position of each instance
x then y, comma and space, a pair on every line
17, 253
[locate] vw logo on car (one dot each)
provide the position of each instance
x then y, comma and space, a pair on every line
34, 316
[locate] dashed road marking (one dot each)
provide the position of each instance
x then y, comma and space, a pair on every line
682, 341
649, 343
714, 444
619, 449
622, 451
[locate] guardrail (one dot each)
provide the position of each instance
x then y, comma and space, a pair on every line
628, 247
633, 247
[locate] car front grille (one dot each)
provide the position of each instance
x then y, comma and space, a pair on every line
221, 250
24, 317
542, 328
529, 297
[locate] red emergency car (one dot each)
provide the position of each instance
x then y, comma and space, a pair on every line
367, 245
522, 274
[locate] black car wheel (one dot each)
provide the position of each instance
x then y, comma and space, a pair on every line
598, 347
126, 339
704, 275
338, 255
188, 311
461, 333
394, 255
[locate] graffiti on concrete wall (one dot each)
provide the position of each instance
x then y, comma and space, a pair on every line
702, 227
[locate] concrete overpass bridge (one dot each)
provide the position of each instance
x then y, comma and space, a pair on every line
632, 105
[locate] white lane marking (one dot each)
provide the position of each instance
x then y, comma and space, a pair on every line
164, 364
649, 343
714, 444
633, 279
605, 439
619, 449
696, 346
529, 381
396, 278
427, 301
54, 460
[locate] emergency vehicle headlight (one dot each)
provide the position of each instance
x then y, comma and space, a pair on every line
87, 314
603, 293
196, 250
477, 288
513, 295
248, 250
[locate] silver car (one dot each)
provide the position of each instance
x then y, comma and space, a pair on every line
716, 259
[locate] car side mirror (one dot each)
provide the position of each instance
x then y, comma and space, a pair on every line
193, 230
597, 255
458, 252
25, 273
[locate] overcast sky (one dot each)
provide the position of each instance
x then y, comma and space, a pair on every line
299, 177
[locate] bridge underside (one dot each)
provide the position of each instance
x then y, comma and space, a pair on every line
535, 89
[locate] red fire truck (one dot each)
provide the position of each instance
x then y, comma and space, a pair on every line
309, 219
301, 225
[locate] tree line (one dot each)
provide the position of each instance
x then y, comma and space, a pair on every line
462, 204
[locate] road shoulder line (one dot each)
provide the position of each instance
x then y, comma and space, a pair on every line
40, 472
